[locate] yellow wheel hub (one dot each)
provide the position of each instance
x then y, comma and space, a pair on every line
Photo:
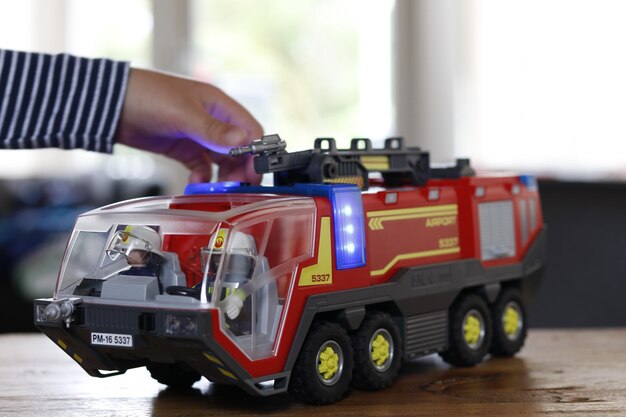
380, 350
511, 321
328, 363
472, 329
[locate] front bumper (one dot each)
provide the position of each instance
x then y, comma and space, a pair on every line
153, 340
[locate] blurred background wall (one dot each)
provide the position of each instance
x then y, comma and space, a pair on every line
526, 85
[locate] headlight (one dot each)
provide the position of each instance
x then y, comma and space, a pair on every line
40, 313
58, 311
177, 325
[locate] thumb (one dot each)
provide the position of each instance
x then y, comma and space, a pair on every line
215, 135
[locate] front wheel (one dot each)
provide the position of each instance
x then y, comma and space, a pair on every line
323, 370
177, 376
509, 323
377, 352
470, 331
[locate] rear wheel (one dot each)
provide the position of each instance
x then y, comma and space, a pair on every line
509, 323
178, 376
377, 352
470, 331
323, 370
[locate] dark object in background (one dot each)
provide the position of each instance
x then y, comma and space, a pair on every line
585, 281
36, 218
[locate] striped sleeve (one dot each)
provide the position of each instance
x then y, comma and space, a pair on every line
60, 101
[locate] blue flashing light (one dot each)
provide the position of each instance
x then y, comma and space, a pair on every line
349, 222
211, 187
347, 212
529, 182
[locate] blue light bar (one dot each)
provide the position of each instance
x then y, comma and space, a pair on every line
211, 187
529, 182
347, 212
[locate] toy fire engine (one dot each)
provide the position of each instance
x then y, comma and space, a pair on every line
355, 260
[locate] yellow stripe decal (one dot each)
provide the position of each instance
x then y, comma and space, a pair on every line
227, 373
376, 223
77, 358
377, 167
212, 358
414, 255
385, 213
62, 344
320, 273
377, 162
358, 181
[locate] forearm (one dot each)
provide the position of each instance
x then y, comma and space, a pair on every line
59, 101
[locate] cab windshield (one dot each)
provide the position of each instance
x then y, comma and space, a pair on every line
242, 262
240, 250
159, 255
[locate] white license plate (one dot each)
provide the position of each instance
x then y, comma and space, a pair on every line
112, 339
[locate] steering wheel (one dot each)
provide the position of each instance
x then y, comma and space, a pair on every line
185, 291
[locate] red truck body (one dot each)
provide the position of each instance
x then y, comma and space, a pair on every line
341, 285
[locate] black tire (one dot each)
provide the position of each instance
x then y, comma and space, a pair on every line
307, 383
470, 331
177, 376
509, 323
370, 372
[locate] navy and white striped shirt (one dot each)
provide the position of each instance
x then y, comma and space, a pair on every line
59, 101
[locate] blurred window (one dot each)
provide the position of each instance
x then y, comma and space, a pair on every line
117, 29
305, 68
545, 88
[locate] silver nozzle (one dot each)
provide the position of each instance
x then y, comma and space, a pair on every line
52, 312
267, 144
61, 310
240, 150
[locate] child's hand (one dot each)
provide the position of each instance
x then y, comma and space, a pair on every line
190, 121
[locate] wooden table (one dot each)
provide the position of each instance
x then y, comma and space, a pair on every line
565, 372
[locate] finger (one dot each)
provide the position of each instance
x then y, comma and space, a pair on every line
214, 134
200, 167
201, 174
223, 107
238, 169
251, 175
